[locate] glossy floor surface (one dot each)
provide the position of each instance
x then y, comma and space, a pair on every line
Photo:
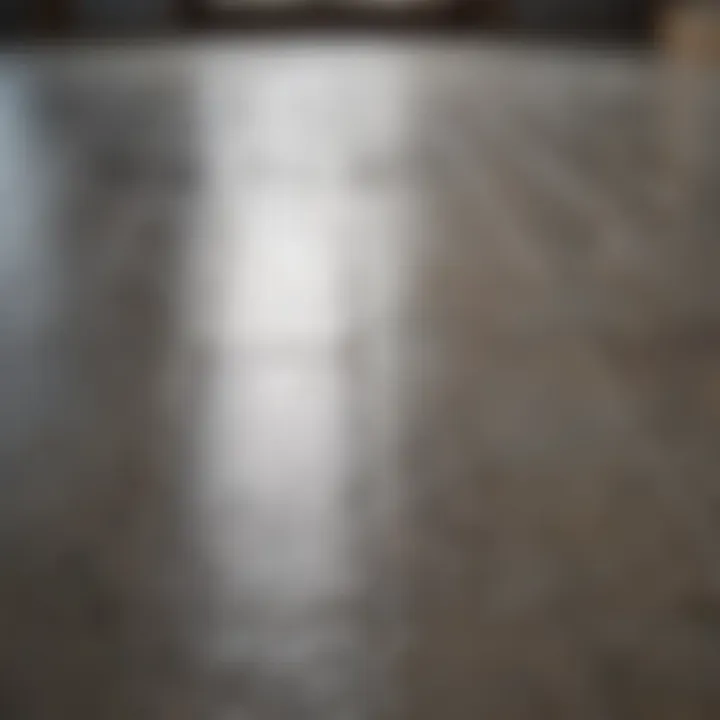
357, 382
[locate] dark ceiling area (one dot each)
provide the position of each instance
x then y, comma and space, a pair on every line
606, 19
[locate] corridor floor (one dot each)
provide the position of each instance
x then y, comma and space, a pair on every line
358, 381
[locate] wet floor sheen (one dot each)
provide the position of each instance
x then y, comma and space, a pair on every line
358, 382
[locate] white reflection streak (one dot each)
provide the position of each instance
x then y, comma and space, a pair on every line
288, 283
275, 442
279, 440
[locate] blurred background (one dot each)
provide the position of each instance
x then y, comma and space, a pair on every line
608, 19
359, 360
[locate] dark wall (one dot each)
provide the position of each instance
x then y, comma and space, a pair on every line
14, 14
607, 18
123, 14
102, 15
582, 17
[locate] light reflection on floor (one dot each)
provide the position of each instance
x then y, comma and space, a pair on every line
428, 427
